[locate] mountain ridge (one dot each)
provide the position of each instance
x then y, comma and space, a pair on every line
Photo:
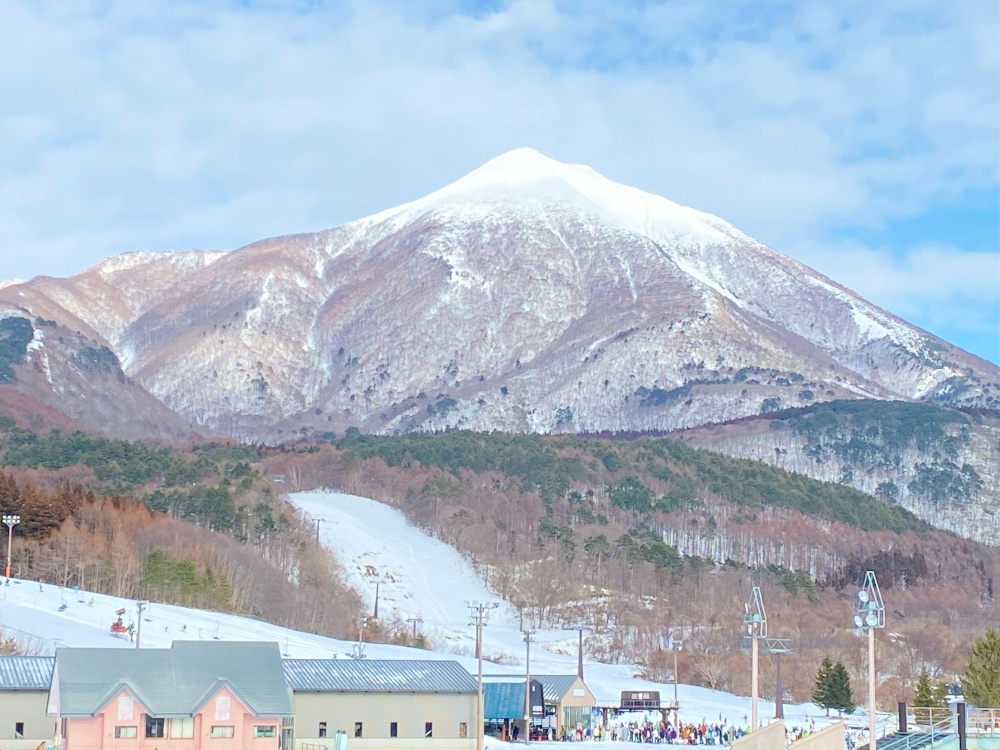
529, 295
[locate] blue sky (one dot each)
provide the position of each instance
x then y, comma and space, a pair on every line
860, 138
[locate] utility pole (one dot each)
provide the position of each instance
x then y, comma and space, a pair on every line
415, 620
527, 686
480, 615
138, 620
676, 646
376, 597
579, 658
318, 521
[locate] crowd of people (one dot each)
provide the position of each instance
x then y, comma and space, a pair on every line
719, 733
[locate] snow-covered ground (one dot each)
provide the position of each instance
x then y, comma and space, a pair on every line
422, 577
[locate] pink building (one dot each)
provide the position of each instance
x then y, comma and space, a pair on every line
192, 696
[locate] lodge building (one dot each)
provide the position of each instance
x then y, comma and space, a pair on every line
222, 695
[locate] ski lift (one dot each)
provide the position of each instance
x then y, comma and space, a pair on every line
118, 628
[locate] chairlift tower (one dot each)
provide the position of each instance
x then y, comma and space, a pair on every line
776, 647
869, 616
755, 621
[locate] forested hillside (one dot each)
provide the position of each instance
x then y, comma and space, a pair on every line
648, 537
638, 539
938, 462
197, 526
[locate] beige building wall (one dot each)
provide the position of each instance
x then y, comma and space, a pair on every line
578, 696
446, 712
828, 738
28, 706
771, 737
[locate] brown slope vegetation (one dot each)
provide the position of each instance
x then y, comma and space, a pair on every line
586, 560
114, 544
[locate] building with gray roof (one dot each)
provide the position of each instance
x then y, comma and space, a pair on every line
387, 703
24, 692
195, 689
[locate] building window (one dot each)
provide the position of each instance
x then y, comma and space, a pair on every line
124, 733
18, 729
322, 729
428, 729
265, 731
154, 727
463, 729
393, 729
182, 729
124, 708
357, 729
221, 733
222, 708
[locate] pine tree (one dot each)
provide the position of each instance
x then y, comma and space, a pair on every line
923, 699
821, 689
839, 694
981, 680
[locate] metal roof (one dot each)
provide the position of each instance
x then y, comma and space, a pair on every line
25, 672
377, 676
503, 700
555, 686
174, 681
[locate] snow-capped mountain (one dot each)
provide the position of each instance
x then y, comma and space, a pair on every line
528, 295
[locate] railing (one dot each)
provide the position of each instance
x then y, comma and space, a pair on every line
983, 722
930, 725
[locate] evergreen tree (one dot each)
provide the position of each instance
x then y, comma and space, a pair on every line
839, 694
821, 687
981, 680
923, 699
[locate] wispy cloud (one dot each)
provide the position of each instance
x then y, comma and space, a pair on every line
180, 124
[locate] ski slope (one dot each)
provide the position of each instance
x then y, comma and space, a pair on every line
422, 577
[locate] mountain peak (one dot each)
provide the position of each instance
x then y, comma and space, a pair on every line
523, 165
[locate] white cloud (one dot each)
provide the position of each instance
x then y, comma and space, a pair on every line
176, 124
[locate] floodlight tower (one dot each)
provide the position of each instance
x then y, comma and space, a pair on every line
755, 620
870, 615
11, 521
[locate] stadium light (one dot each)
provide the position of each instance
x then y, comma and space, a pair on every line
755, 620
870, 615
11, 521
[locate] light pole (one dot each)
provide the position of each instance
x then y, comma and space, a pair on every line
527, 686
755, 620
870, 615
11, 521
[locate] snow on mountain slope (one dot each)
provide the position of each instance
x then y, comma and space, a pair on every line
423, 577
528, 295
